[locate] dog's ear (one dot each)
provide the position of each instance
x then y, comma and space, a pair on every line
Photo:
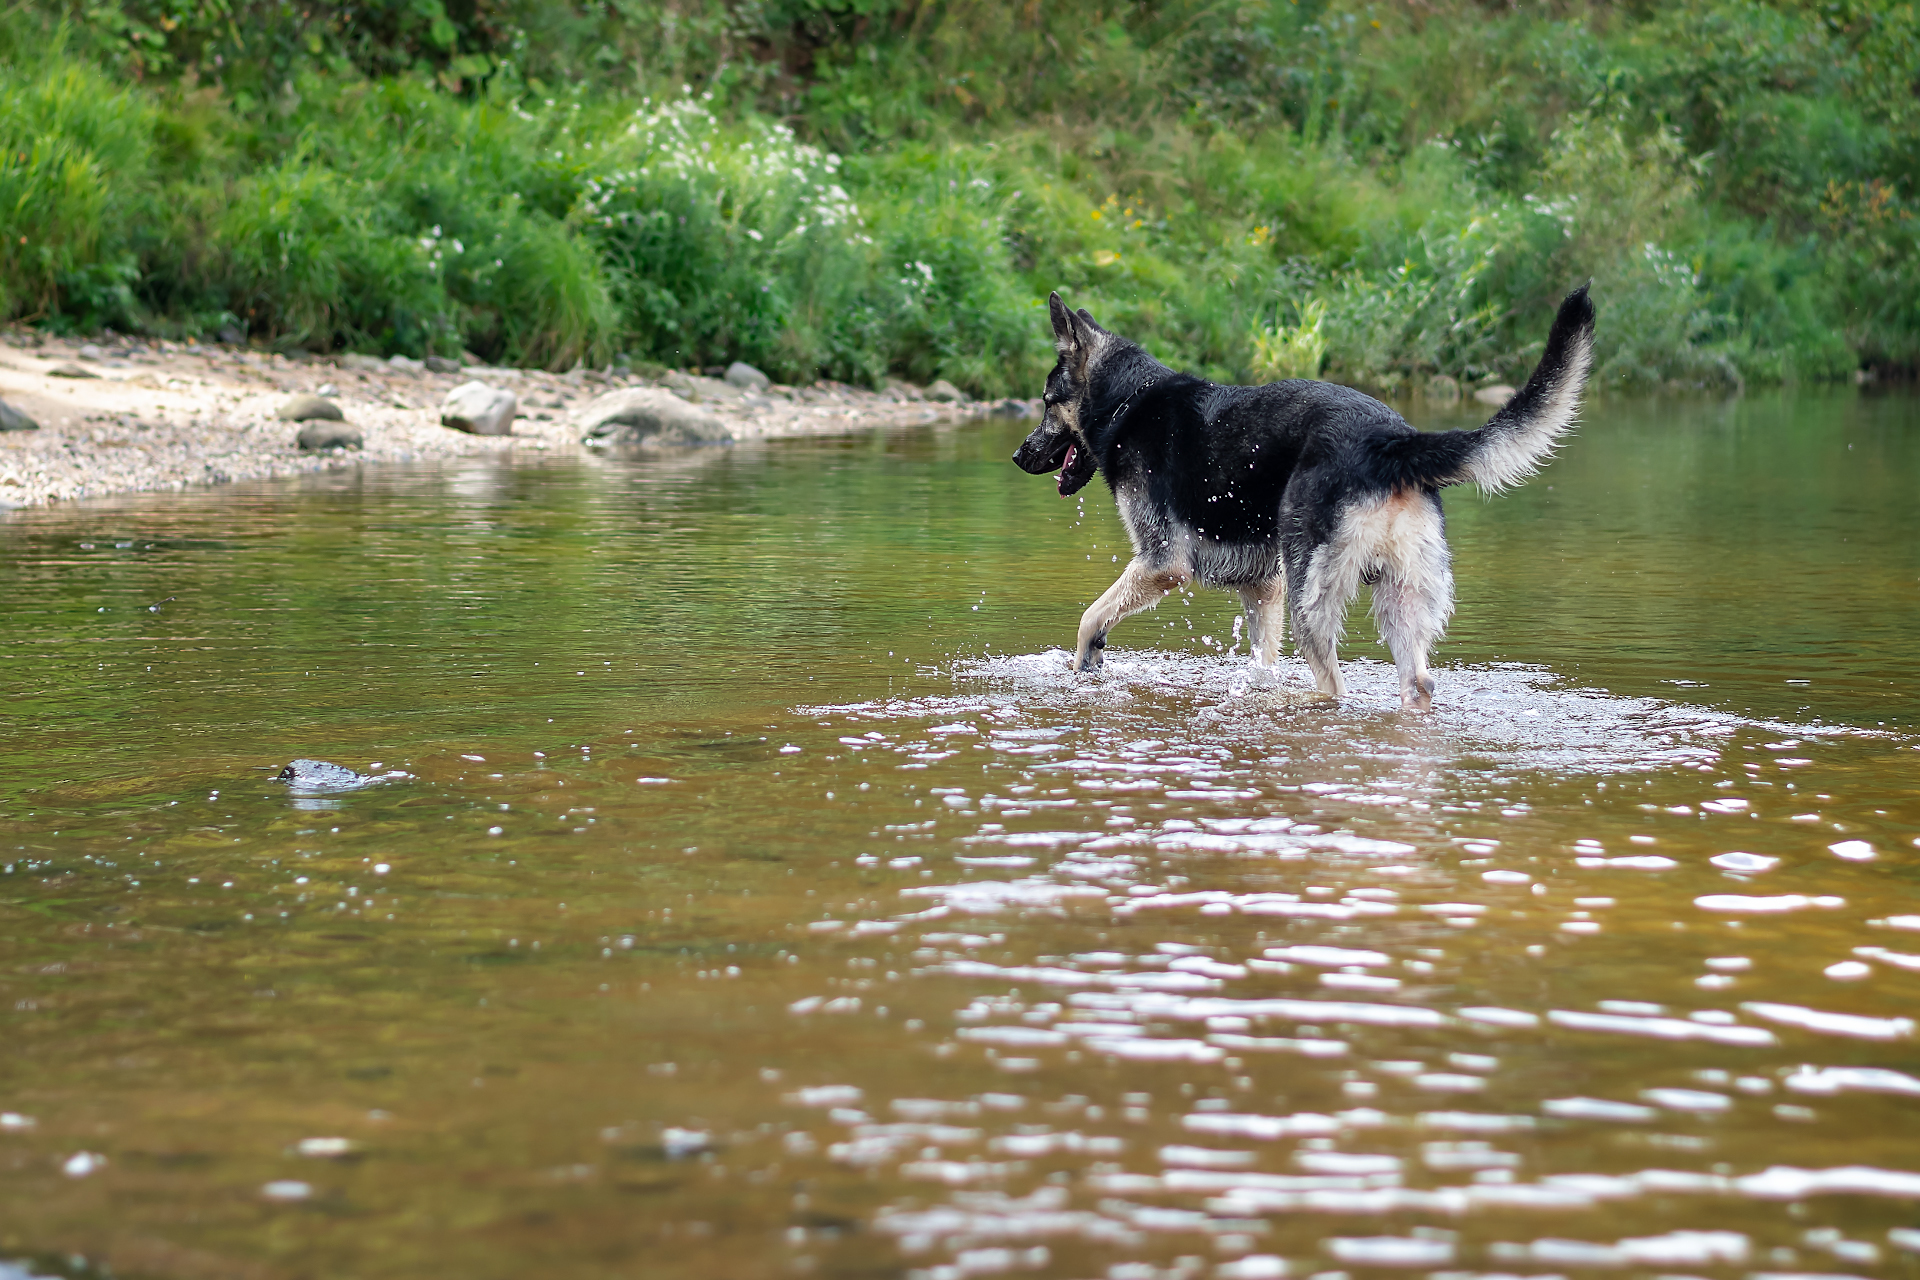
1065, 339
1086, 318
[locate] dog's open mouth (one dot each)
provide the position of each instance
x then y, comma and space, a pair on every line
1075, 470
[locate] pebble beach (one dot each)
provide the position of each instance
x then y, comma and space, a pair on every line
124, 416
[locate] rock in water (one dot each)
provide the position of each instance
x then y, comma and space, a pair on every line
946, 393
11, 419
316, 436
1443, 388
309, 408
1496, 395
649, 415
746, 377
306, 777
479, 409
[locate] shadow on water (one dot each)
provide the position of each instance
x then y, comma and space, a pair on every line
749, 891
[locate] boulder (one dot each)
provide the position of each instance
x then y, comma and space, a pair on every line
1443, 388
366, 364
68, 369
649, 415
1496, 395
946, 393
746, 377
703, 390
11, 419
305, 408
90, 351
440, 364
406, 364
316, 436
479, 409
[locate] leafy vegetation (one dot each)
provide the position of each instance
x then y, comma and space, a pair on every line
1380, 191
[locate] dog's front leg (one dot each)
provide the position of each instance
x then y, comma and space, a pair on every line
1140, 587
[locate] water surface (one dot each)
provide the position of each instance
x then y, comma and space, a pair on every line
758, 896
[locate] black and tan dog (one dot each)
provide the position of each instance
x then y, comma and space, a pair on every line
1297, 488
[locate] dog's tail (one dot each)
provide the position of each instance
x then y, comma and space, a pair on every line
1523, 434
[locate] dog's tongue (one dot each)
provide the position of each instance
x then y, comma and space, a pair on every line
1067, 465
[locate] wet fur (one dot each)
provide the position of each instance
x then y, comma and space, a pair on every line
1297, 491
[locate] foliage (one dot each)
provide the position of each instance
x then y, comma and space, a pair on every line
1380, 190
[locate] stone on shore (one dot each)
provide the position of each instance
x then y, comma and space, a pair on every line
701, 390
316, 436
11, 419
441, 364
746, 377
946, 393
649, 415
478, 409
365, 364
1496, 395
406, 364
68, 369
306, 408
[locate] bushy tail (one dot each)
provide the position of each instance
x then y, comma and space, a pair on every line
1523, 434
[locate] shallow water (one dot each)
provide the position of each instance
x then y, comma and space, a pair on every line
755, 895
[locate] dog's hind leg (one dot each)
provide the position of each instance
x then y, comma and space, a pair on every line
1266, 606
1322, 589
1138, 588
1413, 598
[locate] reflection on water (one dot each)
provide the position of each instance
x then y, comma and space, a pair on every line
751, 892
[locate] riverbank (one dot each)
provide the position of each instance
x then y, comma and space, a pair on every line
142, 417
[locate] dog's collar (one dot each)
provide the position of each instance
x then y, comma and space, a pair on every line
1126, 404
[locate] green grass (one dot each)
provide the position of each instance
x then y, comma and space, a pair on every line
857, 188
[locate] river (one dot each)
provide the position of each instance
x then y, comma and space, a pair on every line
751, 893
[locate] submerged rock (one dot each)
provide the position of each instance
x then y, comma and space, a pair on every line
305, 408
479, 409
648, 415
307, 777
744, 376
11, 419
316, 436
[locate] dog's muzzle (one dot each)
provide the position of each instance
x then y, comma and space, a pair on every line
1054, 448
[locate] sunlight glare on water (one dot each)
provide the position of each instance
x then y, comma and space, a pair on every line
736, 883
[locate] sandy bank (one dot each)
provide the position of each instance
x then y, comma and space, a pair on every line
161, 416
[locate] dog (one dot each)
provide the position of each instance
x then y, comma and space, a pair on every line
1297, 490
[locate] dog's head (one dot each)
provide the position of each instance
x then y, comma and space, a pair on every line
1058, 443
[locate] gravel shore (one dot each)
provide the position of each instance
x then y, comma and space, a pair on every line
137, 416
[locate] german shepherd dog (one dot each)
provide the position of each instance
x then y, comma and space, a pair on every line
1298, 488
